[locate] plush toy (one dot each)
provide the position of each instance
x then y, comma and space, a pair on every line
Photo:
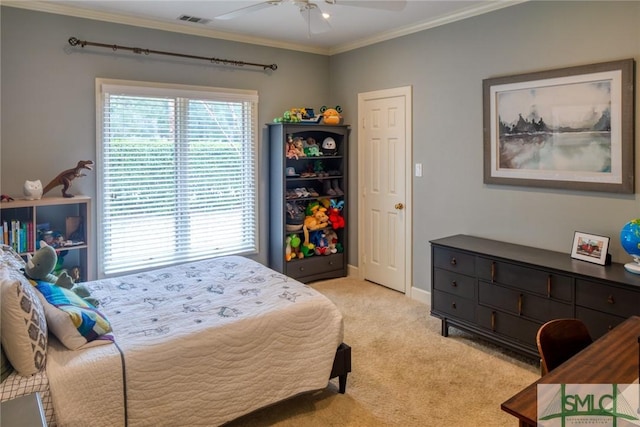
287, 250
298, 145
295, 247
291, 149
335, 214
319, 240
332, 240
316, 217
331, 116
311, 148
40, 265
293, 115
307, 248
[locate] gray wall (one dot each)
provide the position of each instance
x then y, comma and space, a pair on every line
48, 119
48, 89
446, 66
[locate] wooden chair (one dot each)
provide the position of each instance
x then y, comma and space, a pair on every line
560, 339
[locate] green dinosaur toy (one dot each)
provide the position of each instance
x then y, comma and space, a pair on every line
40, 265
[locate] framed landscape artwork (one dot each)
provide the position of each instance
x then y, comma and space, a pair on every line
569, 128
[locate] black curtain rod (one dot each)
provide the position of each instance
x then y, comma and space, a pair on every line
75, 42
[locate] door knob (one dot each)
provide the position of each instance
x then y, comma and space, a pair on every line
399, 206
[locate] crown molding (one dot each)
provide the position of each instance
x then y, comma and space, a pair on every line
431, 23
44, 6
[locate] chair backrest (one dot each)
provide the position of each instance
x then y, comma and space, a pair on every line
560, 339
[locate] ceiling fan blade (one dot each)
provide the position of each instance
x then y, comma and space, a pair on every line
249, 9
314, 19
394, 5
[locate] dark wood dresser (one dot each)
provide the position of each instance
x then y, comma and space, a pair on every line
504, 292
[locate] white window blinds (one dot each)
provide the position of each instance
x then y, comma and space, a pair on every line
177, 174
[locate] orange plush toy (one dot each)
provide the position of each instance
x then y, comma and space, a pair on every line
331, 116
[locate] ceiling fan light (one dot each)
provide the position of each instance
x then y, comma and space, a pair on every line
316, 23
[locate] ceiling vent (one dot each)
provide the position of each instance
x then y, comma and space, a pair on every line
194, 19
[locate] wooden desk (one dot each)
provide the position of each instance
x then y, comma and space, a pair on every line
611, 359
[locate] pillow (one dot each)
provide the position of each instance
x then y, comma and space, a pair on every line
24, 328
5, 366
71, 319
10, 258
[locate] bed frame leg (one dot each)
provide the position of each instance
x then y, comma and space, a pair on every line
342, 380
342, 366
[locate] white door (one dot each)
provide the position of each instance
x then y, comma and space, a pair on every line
384, 147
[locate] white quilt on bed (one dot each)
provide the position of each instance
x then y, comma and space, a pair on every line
203, 343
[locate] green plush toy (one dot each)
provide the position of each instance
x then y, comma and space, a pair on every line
43, 262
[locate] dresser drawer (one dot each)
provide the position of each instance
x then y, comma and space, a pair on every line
451, 260
454, 306
454, 283
507, 325
610, 299
598, 323
314, 265
522, 303
540, 282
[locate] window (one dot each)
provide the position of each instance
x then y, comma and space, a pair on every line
177, 174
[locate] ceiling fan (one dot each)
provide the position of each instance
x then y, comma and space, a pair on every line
311, 12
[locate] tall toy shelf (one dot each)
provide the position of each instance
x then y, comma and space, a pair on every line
303, 184
64, 223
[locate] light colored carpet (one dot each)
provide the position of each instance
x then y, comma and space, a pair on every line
404, 372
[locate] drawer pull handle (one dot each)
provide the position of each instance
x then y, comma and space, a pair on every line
493, 271
610, 299
453, 261
453, 305
454, 284
549, 286
520, 297
610, 327
493, 321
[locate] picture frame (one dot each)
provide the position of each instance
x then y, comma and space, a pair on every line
591, 248
569, 128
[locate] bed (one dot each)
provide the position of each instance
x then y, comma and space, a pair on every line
200, 343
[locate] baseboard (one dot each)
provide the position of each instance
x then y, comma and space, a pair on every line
352, 271
417, 294
421, 295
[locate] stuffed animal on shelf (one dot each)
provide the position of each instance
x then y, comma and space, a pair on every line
307, 248
335, 214
331, 116
295, 246
291, 152
298, 145
287, 250
316, 217
40, 265
319, 240
292, 250
311, 148
294, 115
332, 240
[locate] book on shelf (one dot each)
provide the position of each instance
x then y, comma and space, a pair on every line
18, 235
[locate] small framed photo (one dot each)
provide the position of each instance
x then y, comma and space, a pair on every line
590, 248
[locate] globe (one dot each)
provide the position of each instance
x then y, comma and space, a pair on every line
630, 240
